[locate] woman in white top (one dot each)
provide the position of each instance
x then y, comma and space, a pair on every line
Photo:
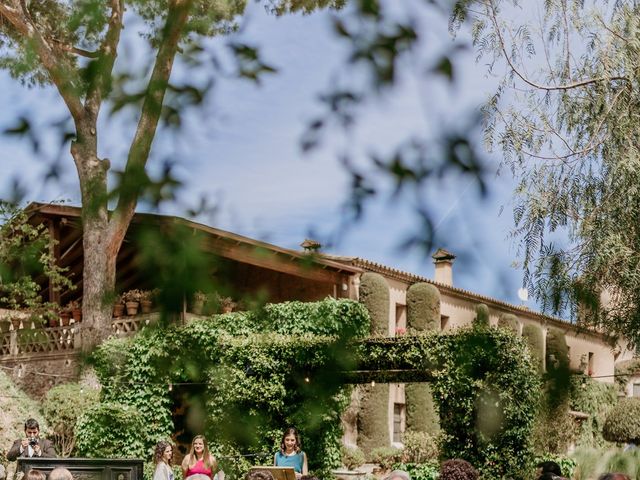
162, 459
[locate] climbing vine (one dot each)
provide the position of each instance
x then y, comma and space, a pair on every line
252, 373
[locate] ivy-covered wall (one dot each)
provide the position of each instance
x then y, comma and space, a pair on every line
253, 373
249, 375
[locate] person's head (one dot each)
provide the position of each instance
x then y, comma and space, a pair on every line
34, 474
550, 467
614, 476
457, 469
200, 451
163, 452
31, 428
259, 475
290, 441
60, 473
398, 475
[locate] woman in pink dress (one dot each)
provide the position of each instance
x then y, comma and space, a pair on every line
199, 461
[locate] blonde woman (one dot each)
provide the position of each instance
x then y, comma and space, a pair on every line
199, 461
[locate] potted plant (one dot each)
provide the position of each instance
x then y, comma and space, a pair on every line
199, 299
131, 299
75, 307
53, 317
118, 306
145, 300
227, 304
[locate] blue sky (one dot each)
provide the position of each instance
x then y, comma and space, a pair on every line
242, 151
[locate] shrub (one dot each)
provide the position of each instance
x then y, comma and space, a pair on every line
422, 415
352, 457
386, 456
111, 430
595, 399
420, 471
623, 422
419, 447
481, 319
373, 419
457, 469
423, 307
61, 407
532, 335
557, 355
374, 295
509, 321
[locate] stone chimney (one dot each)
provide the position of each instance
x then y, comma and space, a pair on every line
443, 260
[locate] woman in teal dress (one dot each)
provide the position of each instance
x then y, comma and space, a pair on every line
290, 454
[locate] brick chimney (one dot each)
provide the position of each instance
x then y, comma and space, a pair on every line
443, 260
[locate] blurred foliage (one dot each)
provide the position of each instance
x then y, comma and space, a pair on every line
385, 456
352, 457
595, 399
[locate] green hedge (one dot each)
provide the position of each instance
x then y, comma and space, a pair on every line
373, 418
509, 321
532, 335
482, 316
374, 295
422, 415
595, 399
423, 307
623, 422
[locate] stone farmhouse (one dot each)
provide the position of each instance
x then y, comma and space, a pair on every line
284, 274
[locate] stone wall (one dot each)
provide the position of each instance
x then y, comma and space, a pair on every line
37, 373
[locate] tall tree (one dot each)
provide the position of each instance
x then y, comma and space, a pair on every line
565, 119
74, 44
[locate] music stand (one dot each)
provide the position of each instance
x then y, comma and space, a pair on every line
279, 473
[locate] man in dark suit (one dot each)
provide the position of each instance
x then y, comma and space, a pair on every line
32, 445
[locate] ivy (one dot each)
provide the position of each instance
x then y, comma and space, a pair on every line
252, 373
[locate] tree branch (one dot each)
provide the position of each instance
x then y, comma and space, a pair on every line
55, 66
106, 58
75, 50
149, 116
525, 79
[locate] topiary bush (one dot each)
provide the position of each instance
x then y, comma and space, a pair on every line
373, 418
457, 469
420, 471
481, 319
558, 374
622, 424
386, 457
419, 447
374, 295
532, 335
422, 415
352, 457
423, 307
510, 322
111, 430
61, 407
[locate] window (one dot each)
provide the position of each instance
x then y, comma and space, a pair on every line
398, 422
590, 364
636, 389
401, 319
444, 322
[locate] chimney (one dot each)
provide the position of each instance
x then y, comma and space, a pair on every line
443, 260
311, 246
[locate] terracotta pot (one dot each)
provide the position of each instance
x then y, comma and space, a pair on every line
118, 310
65, 317
145, 305
77, 315
16, 323
132, 308
54, 322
